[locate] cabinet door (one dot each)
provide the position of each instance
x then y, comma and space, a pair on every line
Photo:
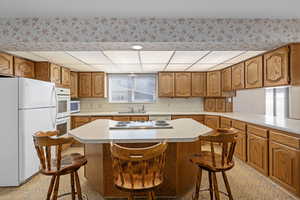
284, 166
258, 153
98, 84
74, 84
6, 64
85, 84
212, 121
139, 118
276, 67
183, 84
214, 84
240, 148
65, 77
198, 84
238, 76
166, 84
100, 117
220, 105
24, 68
42, 71
225, 123
209, 104
226, 79
55, 74
254, 72
79, 121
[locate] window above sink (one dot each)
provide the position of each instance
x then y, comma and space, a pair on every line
132, 88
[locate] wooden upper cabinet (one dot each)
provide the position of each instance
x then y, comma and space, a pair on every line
199, 84
166, 84
183, 84
238, 76
65, 77
214, 84
98, 81
55, 74
276, 67
24, 68
209, 104
74, 84
6, 64
254, 72
294, 64
220, 104
85, 84
42, 71
226, 79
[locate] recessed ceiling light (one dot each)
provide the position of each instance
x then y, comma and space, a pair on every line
136, 47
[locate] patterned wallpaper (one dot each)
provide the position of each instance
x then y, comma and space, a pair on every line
153, 33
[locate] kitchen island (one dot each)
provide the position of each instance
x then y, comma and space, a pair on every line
183, 141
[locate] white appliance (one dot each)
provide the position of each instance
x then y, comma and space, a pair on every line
63, 99
75, 106
26, 106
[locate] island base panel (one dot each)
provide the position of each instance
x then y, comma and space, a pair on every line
180, 174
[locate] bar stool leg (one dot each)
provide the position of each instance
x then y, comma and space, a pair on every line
217, 195
151, 195
55, 194
131, 196
210, 186
198, 184
227, 185
72, 185
78, 187
50, 188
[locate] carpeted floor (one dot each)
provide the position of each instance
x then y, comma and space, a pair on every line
245, 182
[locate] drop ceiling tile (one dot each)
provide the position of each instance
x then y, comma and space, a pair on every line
219, 56
244, 56
201, 67
153, 67
28, 55
79, 68
187, 56
58, 57
90, 57
128, 68
123, 57
155, 56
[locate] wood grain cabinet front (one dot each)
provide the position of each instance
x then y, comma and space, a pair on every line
74, 84
276, 67
65, 77
241, 144
212, 121
166, 86
214, 84
78, 121
199, 84
6, 64
139, 118
258, 152
226, 79
284, 166
238, 76
210, 104
254, 72
85, 84
55, 74
98, 84
183, 84
225, 122
24, 68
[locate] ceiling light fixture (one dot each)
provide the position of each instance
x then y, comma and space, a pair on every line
136, 47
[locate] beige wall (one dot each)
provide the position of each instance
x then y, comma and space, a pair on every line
161, 105
294, 102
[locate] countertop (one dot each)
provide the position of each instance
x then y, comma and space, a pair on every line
184, 130
283, 124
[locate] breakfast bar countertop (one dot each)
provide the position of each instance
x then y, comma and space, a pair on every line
98, 131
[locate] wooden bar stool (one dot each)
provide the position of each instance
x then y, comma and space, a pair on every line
60, 165
225, 140
138, 169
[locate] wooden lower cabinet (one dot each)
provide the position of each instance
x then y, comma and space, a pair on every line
78, 121
139, 118
121, 118
258, 153
240, 148
93, 118
225, 122
284, 166
212, 121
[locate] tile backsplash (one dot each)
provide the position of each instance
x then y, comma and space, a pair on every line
161, 105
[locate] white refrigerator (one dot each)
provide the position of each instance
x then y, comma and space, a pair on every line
26, 106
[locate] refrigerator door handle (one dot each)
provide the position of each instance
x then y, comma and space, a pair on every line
53, 119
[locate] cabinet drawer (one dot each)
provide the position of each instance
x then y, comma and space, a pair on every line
100, 117
282, 138
139, 118
239, 125
262, 132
